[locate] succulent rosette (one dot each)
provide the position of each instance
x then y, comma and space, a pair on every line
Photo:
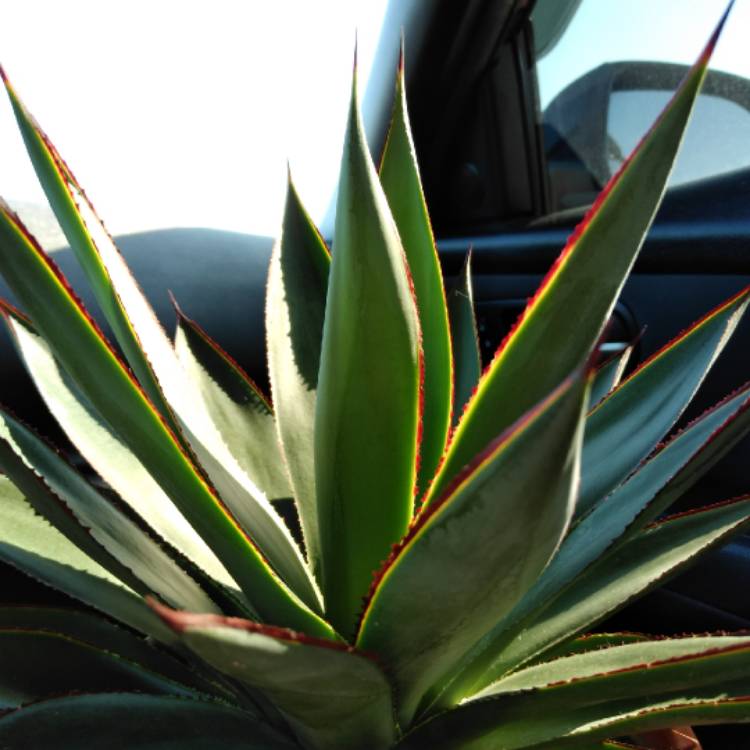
461, 529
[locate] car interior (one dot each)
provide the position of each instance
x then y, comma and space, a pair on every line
510, 179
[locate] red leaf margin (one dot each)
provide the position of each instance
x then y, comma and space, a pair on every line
480, 460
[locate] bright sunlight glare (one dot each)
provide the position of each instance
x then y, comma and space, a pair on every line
184, 113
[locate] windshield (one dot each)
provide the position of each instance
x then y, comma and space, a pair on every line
184, 113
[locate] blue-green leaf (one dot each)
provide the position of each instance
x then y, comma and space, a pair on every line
614, 692
609, 375
241, 413
59, 493
336, 697
636, 567
469, 558
626, 426
106, 453
43, 553
295, 309
622, 515
467, 362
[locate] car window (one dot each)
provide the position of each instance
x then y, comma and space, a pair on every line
598, 99
184, 113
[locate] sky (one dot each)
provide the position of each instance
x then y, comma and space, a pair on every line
184, 113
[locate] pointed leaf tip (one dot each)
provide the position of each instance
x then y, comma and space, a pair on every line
374, 341
401, 183
692, 512
113, 391
739, 299
175, 305
595, 359
169, 616
711, 44
7, 310
4, 75
495, 445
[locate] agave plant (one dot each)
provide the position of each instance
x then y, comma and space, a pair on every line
462, 529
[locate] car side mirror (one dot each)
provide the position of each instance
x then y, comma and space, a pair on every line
593, 124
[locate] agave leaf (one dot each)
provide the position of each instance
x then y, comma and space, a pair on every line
568, 307
99, 633
637, 502
58, 492
588, 642
624, 428
368, 401
94, 631
25, 674
153, 359
106, 453
467, 362
633, 657
242, 414
720, 709
638, 566
295, 309
613, 687
43, 553
609, 375
85, 233
399, 176
56, 512
663, 479
661, 723
245, 420
76, 721
94, 366
468, 560
262, 523
102, 634
337, 698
